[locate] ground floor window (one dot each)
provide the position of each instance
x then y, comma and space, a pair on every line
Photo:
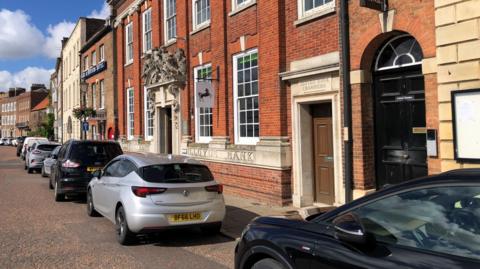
130, 114
204, 115
247, 126
149, 116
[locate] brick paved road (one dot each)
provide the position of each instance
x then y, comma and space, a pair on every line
36, 232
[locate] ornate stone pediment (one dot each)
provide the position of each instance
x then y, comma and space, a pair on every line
163, 67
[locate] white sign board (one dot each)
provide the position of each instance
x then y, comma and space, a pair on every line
204, 94
466, 124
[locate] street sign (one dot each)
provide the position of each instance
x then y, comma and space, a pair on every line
85, 126
380, 5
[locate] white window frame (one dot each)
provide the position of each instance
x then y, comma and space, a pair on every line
245, 3
145, 114
169, 39
243, 140
94, 58
198, 137
86, 63
129, 52
94, 96
194, 16
146, 31
102, 94
102, 53
130, 114
302, 13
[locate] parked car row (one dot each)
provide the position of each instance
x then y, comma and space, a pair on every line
11, 141
432, 222
139, 193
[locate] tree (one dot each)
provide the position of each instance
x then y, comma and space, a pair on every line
82, 114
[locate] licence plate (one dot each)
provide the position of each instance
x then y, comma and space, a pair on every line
183, 217
93, 169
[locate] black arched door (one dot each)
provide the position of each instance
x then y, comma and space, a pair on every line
400, 114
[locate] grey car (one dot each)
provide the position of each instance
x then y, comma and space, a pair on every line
142, 193
37, 154
50, 161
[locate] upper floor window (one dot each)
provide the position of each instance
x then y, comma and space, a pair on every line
147, 30
237, 4
102, 53
201, 13
129, 43
85, 63
247, 125
309, 7
94, 58
170, 20
94, 96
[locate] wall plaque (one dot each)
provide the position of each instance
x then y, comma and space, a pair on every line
466, 124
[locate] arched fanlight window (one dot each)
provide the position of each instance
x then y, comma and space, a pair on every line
399, 52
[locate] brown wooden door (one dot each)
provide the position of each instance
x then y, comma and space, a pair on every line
323, 155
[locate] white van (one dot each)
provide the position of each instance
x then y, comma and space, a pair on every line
29, 143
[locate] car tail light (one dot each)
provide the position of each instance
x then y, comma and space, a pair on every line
215, 188
144, 191
70, 164
36, 151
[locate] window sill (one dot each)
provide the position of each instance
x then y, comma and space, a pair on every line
129, 63
314, 16
170, 42
200, 28
242, 8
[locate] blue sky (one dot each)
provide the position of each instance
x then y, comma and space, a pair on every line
30, 35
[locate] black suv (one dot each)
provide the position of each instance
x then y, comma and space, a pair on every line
76, 163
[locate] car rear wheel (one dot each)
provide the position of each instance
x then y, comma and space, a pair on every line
29, 170
124, 235
58, 196
90, 207
268, 264
212, 229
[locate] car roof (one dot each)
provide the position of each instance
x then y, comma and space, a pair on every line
147, 159
76, 141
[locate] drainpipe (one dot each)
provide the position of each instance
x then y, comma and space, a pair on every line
347, 99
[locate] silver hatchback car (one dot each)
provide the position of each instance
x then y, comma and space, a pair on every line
141, 193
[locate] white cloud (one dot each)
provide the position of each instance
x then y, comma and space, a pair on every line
102, 14
18, 37
25, 78
53, 42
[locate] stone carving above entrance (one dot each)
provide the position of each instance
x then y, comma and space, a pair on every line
166, 69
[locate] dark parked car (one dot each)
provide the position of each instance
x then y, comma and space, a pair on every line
20, 140
432, 222
76, 163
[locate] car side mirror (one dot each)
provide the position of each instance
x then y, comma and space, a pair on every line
349, 229
97, 174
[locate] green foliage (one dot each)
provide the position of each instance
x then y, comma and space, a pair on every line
46, 128
84, 112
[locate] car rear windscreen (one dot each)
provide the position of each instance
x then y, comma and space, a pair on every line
46, 147
97, 154
176, 173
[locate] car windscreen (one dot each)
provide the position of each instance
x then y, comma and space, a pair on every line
176, 173
46, 147
97, 154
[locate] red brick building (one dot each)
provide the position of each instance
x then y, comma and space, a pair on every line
97, 67
394, 92
247, 70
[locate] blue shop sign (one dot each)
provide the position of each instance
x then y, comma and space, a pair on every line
94, 70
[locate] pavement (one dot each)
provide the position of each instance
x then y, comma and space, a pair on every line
241, 211
37, 232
